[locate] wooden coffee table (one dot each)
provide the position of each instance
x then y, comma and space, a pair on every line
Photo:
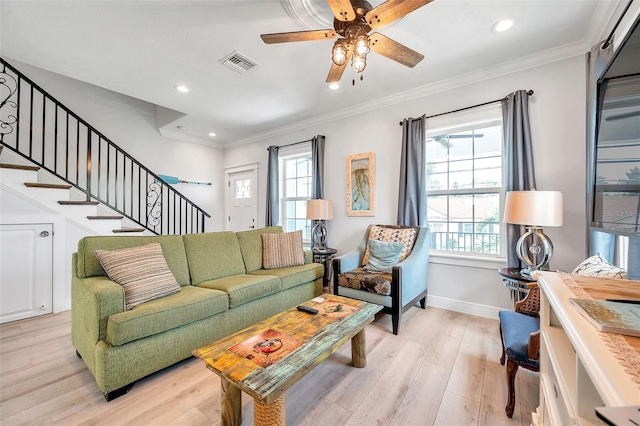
266, 359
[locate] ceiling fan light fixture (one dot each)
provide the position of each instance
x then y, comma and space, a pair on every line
362, 45
358, 63
339, 53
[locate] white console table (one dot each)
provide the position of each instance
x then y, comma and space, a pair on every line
578, 368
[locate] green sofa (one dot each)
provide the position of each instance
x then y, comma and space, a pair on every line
223, 289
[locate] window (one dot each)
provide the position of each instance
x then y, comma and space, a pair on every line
295, 190
242, 189
464, 187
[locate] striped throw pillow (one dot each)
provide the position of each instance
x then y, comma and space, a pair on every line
282, 250
142, 271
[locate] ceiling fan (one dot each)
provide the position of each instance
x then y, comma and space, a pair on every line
353, 21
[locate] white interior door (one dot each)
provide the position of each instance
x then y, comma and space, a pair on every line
26, 271
243, 209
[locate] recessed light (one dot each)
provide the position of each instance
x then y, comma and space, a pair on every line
212, 134
182, 89
503, 25
334, 86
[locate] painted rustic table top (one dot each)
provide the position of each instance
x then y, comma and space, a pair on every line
319, 335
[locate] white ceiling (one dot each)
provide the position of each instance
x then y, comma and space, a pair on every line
143, 49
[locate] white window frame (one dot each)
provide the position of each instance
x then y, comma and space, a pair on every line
454, 123
284, 155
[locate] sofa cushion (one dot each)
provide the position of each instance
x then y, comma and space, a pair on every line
172, 247
184, 307
282, 250
244, 288
294, 275
213, 255
251, 246
405, 234
141, 271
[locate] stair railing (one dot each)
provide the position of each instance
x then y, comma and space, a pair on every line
40, 128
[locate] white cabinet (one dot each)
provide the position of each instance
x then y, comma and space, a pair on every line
578, 369
26, 279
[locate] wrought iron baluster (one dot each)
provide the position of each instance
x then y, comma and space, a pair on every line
66, 153
31, 124
6, 106
89, 164
55, 140
44, 125
99, 166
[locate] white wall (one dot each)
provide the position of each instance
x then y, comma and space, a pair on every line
557, 112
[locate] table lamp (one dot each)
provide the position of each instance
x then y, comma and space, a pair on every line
319, 210
534, 209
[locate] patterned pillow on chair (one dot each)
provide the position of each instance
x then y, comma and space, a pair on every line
403, 234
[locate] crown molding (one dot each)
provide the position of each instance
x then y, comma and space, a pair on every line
527, 62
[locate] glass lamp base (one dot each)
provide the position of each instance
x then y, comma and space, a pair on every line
535, 250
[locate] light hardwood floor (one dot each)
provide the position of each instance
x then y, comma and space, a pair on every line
442, 369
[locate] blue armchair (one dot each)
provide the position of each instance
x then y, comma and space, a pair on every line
397, 291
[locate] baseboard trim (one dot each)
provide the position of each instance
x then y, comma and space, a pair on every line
475, 309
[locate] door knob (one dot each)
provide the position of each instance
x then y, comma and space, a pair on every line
44, 234
252, 227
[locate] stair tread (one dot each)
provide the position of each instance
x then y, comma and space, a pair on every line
100, 217
122, 230
47, 185
19, 167
78, 203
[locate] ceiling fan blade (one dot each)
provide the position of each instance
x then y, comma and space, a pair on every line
394, 50
336, 71
342, 10
391, 10
298, 36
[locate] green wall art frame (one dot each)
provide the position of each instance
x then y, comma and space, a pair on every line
361, 186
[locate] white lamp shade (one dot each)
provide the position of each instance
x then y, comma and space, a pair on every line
534, 208
320, 209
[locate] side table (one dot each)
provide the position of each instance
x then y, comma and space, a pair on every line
518, 284
324, 257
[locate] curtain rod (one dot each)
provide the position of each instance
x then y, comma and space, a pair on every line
291, 144
530, 92
607, 42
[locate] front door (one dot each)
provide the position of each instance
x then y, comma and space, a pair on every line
26, 271
242, 203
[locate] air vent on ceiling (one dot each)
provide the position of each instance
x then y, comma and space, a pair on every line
238, 62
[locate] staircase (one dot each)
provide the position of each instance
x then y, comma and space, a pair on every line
24, 181
67, 166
